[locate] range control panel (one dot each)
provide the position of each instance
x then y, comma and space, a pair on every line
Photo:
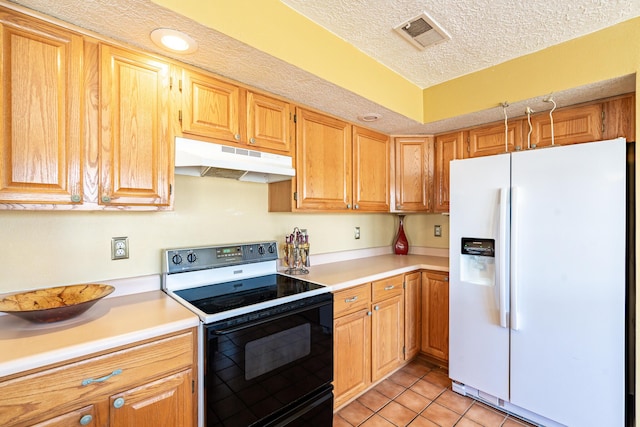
207, 257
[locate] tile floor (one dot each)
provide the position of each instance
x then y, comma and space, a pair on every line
420, 395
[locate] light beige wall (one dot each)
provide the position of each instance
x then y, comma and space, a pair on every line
45, 248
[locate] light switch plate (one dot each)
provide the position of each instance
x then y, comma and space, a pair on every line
119, 247
437, 231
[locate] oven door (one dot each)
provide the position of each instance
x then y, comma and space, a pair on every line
261, 366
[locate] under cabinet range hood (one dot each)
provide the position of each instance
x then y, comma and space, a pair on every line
200, 158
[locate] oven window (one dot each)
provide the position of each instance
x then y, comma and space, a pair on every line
271, 352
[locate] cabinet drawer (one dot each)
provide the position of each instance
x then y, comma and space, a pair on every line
387, 288
352, 299
34, 395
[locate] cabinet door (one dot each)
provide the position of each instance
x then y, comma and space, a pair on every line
41, 106
413, 173
620, 117
323, 162
211, 107
412, 314
371, 163
268, 123
435, 315
351, 354
136, 159
447, 147
387, 336
490, 140
165, 402
570, 126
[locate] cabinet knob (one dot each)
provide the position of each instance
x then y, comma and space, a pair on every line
348, 205
106, 199
118, 403
85, 420
446, 279
376, 308
398, 206
75, 198
252, 140
368, 313
356, 207
237, 136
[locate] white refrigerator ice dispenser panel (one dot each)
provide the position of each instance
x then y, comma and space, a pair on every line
477, 261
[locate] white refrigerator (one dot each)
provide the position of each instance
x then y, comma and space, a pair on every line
537, 282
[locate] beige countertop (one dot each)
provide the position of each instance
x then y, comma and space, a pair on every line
110, 323
126, 319
343, 274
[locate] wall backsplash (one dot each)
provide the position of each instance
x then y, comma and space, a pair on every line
49, 248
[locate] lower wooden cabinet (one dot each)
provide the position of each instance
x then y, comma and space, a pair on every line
368, 335
412, 314
435, 315
147, 384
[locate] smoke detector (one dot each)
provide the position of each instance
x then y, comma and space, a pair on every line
422, 31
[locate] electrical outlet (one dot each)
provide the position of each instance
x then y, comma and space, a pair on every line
356, 233
437, 231
119, 247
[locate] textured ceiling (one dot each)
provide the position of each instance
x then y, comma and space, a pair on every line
483, 33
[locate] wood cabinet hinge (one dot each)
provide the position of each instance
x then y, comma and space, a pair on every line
170, 82
193, 386
170, 189
180, 85
603, 115
180, 116
295, 119
404, 350
468, 145
404, 285
295, 195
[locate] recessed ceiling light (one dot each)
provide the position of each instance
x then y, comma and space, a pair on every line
173, 40
369, 117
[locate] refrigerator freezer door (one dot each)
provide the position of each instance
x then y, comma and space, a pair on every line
568, 283
478, 344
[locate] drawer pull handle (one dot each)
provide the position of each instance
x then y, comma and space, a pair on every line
99, 380
388, 288
351, 299
118, 403
85, 420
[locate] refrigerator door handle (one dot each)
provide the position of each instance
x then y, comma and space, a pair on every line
502, 258
515, 321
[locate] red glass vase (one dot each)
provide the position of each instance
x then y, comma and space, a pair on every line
401, 245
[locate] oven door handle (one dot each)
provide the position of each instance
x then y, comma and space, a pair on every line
251, 323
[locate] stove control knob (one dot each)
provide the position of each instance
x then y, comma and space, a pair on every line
176, 259
192, 258
272, 248
261, 250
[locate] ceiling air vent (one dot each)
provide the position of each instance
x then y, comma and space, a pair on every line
422, 31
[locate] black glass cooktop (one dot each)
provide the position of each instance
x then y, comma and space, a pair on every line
221, 297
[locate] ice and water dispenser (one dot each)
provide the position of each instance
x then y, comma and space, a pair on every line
477, 261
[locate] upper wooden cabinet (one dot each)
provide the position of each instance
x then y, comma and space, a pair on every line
225, 112
489, 140
371, 164
268, 122
41, 106
323, 162
413, 173
210, 107
447, 147
136, 151
570, 126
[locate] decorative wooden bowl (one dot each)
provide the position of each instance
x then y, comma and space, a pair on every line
54, 304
